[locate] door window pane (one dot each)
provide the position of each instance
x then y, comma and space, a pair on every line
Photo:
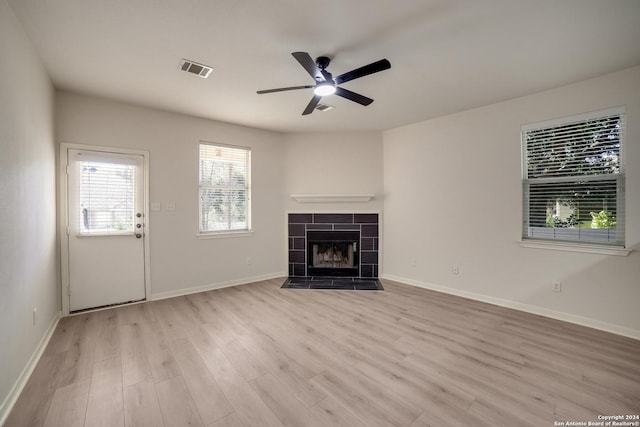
106, 199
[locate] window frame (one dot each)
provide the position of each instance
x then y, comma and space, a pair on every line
569, 244
101, 161
223, 233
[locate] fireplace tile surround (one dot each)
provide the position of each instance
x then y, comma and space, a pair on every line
366, 223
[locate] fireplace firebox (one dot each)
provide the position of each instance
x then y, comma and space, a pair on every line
333, 253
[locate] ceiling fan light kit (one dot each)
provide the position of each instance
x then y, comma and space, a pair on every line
324, 89
326, 84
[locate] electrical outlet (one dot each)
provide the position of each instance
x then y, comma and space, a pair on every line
248, 260
455, 269
556, 286
35, 312
412, 261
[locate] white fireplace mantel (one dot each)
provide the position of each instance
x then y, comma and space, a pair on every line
332, 198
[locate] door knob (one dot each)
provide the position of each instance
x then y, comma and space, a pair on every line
138, 225
138, 235
138, 215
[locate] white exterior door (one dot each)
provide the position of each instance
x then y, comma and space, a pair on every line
105, 228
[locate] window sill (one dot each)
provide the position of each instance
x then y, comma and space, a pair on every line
225, 234
573, 247
107, 234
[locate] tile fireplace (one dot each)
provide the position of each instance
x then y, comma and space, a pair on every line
333, 244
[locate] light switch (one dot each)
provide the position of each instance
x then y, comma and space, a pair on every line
171, 206
155, 206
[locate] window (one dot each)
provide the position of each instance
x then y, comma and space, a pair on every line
106, 191
573, 179
225, 190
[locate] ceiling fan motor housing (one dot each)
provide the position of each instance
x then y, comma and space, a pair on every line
323, 62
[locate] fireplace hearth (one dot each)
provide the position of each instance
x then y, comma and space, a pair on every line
333, 283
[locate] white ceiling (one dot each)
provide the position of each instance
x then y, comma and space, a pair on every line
446, 56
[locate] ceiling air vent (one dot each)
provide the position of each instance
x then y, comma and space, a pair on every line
200, 70
324, 107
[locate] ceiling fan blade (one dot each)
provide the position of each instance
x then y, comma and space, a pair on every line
312, 105
281, 89
374, 67
308, 64
352, 96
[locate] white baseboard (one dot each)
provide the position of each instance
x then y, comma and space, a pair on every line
558, 315
17, 388
212, 286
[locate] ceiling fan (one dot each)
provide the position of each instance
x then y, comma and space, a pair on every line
326, 84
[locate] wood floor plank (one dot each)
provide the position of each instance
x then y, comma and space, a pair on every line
222, 330
68, 406
500, 413
231, 420
79, 356
128, 314
415, 388
146, 313
289, 347
161, 361
577, 391
176, 404
335, 414
205, 311
627, 386
282, 401
105, 407
141, 408
247, 365
479, 381
172, 326
201, 339
63, 335
444, 416
322, 342
374, 404
135, 365
108, 341
211, 402
286, 369
247, 405
193, 318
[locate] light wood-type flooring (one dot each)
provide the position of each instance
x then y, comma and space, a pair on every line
258, 355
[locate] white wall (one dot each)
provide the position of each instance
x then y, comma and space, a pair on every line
453, 197
180, 262
28, 254
333, 163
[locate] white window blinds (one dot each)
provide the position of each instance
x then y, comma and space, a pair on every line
573, 179
106, 195
224, 188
